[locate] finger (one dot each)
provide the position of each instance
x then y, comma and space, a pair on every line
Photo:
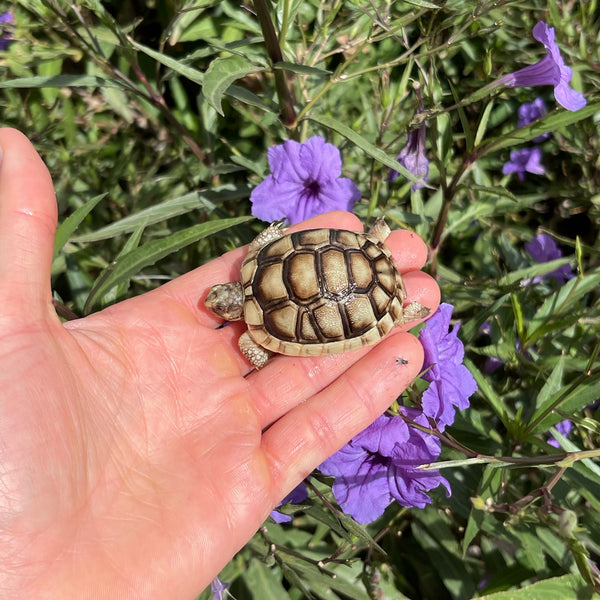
28, 215
409, 250
311, 432
286, 381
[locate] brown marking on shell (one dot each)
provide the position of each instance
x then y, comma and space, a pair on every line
307, 329
346, 238
301, 276
279, 248
269, 282
253, 313
334, 271
361, 270
329, 321
360, 315
248, 270
386, 275
283, 321
311, 238
343, 292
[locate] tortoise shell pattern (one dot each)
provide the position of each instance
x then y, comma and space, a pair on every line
321, 291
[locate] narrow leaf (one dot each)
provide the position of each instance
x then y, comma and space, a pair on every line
552, 385
568, 587
301, 69
60, 81
70, 224
173, 207
563, 301
264, 582
363, 144
176, 65
148, 254
549, 123
528, 273
221, 73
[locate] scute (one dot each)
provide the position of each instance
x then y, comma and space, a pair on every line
301, 278
319, 291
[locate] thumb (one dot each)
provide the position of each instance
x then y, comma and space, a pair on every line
28, 216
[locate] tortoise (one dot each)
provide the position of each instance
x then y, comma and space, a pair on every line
315, 292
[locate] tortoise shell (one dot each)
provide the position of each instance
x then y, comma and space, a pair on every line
321, 291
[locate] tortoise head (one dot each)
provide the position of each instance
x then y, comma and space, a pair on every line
226, 300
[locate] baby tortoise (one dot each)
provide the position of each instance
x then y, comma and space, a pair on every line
314, 292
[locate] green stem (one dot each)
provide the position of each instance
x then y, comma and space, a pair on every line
286, 101
562, 460
448, 194
285, 23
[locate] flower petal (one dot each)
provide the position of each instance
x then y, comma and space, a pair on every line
321, 161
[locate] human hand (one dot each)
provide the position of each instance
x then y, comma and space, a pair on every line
138, 449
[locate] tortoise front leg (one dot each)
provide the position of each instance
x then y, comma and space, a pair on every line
256, 355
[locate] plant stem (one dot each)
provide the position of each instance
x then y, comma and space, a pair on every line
448, 194
286, 102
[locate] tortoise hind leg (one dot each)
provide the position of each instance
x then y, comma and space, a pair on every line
380, 229
256, 355
414, 312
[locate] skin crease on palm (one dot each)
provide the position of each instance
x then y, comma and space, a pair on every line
138, 449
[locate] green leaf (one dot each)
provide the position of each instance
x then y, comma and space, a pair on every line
569, 399
551, 386
442, 549
568, 587
530, 554
263, 582
130, 264
119, 290
550, 123
301, 69
534, 271
486, 390
60, 81
491, 483
176, 65
157, 213
70, 224
423, 3
248, 97
363, 144
562, 301
322, 584
221, 73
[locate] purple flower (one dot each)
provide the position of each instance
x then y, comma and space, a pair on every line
532, 111
218, 588
551, 70
413, 158
7, 23
297, 495
544, 249
524, 160
305, 182
379, 465
564, 428
451, 383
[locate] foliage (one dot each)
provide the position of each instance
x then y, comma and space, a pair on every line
155, 118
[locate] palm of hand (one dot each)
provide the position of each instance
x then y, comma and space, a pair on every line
138, 450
